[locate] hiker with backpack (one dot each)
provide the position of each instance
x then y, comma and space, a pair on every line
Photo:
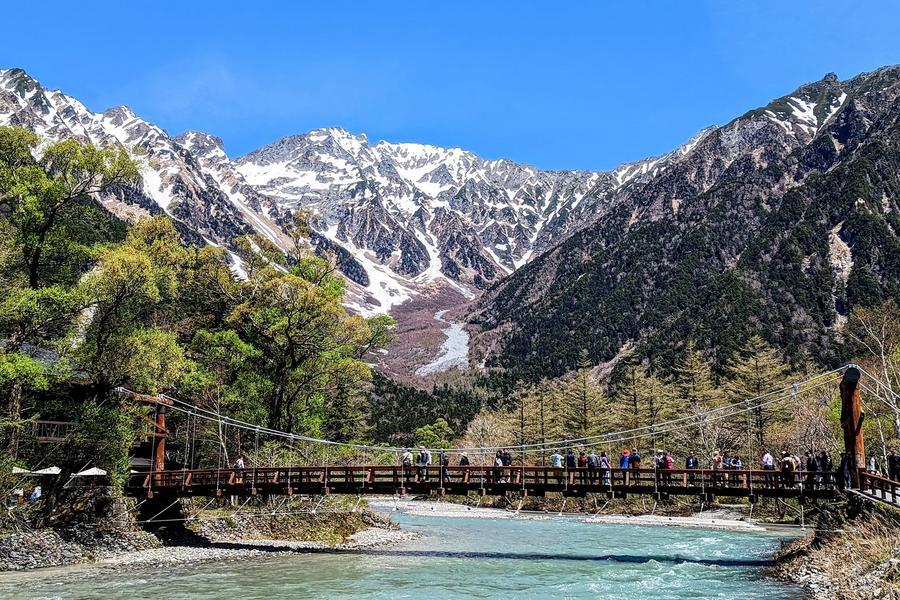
422, 461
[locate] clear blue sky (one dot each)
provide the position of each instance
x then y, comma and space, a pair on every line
557, 85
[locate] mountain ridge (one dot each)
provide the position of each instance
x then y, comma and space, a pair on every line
702, 251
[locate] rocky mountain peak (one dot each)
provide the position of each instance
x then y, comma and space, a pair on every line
202, 144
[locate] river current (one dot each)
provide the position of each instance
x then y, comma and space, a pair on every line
458, 557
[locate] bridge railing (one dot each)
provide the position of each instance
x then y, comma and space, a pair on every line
469, 477
879, 486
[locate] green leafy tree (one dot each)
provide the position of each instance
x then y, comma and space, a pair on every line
436, 435
38, 193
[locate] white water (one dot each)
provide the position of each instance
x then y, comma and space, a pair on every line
454, 351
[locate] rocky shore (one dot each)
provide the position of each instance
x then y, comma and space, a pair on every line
853, 554
43, 548
209, 537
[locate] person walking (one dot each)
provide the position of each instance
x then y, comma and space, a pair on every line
239, 467
768, 464
893, 466
593, 462
571, 466
692, 464
844, 468
716, 465
634, 463
624, 459
464, 462
826, 467
726, 466
787, 470
423, 459
659, 465
582, 467
445, 463
811, 465
737, 465
605, 468
498, 467
406, 464
669, 462
556, 462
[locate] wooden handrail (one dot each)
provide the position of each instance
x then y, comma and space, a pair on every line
533, 476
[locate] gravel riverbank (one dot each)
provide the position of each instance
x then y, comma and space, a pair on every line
238, 550
211, 537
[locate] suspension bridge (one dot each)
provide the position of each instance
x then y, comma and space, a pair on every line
523, 479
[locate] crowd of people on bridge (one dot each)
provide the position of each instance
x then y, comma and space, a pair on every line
890, 469
587, 466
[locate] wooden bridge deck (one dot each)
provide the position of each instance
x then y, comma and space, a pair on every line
876, 487
527, 480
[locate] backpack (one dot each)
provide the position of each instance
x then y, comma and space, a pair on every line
670, 464
423, 457
407, 460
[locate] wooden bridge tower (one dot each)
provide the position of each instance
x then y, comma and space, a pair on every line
852, 422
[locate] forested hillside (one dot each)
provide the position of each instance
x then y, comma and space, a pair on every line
776, 225
89, 303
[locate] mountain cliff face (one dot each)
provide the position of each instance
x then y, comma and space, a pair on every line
397, 218
777, 223
421, 211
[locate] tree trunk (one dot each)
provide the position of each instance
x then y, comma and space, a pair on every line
15, 412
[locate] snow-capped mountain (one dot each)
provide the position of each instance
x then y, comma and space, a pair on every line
423, 211
397, 217
414, 213
188, 178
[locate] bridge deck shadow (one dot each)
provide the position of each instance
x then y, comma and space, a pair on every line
495, 555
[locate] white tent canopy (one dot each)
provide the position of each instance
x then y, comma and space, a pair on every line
46, 471
92, 472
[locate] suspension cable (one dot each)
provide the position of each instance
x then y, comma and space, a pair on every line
564, 443
608, 437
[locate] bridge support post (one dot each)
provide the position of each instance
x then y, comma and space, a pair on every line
851, 422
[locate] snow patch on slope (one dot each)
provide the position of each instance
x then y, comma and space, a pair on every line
454, 351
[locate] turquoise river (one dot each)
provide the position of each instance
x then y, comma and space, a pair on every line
461, 557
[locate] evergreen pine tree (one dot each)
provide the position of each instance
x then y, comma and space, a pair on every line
695, 390
757, 369
584, 405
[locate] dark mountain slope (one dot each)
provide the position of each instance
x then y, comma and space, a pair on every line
777, 223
